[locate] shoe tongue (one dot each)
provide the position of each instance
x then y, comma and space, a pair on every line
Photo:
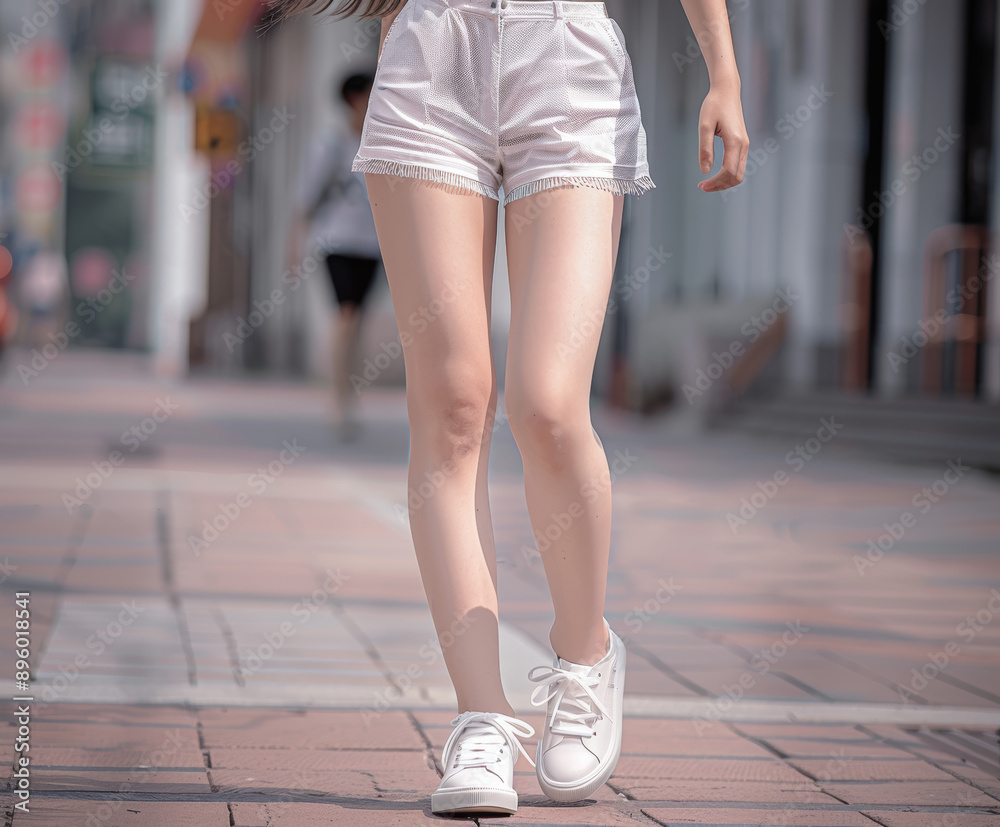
481, 729
577, 668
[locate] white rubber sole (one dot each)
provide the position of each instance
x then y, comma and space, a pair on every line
474, 800
582, 789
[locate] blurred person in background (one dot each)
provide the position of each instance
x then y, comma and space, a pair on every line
536, 98
335, 216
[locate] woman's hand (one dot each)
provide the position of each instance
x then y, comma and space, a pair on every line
722, 115
722, 112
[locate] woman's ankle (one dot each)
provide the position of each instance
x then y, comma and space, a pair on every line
578, 648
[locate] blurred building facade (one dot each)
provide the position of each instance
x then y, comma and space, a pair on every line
855, 257
79, 87
870, 193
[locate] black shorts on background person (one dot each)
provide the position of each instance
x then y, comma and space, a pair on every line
351, 277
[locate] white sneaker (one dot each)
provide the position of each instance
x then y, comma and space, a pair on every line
479, 758
581, 741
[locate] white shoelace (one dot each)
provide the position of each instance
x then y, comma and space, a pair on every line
577, 707
492, 731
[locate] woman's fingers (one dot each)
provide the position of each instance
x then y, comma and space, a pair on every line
734, 162
706, 146
743, 161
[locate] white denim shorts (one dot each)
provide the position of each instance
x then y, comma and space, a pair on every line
514, 93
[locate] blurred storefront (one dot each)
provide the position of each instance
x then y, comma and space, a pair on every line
80, 85
856, 258
94, 156
870, 199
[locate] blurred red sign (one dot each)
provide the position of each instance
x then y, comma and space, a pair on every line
43, 63
40, 126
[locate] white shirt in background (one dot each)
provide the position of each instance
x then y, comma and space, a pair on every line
343, 223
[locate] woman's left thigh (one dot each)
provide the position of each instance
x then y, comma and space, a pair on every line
561, 248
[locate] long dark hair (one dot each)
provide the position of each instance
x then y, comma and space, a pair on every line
344, 8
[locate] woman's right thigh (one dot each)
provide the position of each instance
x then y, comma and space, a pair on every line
439, 245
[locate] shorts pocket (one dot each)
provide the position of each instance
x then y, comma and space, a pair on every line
393, 28
615, 33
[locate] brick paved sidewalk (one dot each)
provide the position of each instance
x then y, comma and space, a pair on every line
801, 652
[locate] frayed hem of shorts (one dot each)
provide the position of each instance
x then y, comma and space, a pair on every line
618, 186
424, 173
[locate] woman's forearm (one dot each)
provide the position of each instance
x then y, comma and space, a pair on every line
710, 21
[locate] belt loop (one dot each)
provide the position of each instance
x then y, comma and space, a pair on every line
557, 9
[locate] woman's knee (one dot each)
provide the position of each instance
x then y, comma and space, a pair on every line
546, 424
453, 415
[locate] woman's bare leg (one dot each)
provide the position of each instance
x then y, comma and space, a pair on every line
438, 245
561, 248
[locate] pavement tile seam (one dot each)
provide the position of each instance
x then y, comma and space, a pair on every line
942, 765
658, 664
789, 762
206, 756
958, 683
898, 689
760, 741
430, 754
993, 791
